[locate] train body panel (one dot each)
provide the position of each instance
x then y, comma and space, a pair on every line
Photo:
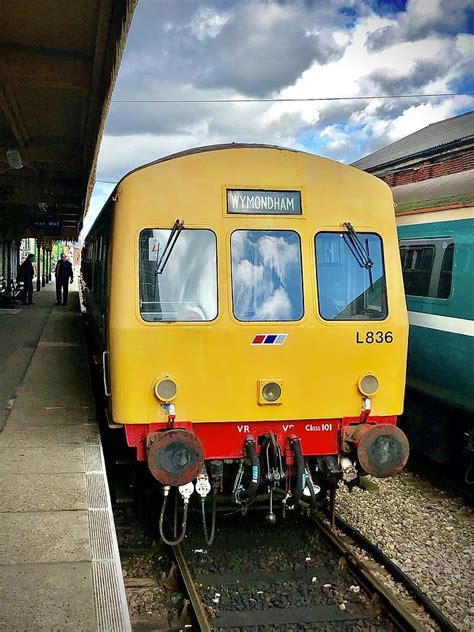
441, 341
198, 355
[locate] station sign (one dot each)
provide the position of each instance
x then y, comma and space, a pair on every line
257, 202
48, 226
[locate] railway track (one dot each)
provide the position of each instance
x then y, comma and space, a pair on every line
298, 576
298, 583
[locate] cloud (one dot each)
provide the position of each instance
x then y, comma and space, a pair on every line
264, 47
409, 80
278, 254
276, 307
422, 19
224, 49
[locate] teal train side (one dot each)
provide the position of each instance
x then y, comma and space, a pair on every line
436, 233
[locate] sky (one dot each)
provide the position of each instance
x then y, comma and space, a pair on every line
291, 49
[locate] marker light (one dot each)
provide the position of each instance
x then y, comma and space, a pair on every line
166, 390
368, 384
269, 392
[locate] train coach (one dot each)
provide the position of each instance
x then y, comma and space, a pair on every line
248, 304
435, 221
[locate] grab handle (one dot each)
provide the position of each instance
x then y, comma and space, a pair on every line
104, 373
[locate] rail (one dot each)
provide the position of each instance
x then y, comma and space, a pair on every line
196, 603
394, 609
391, 606
397, 574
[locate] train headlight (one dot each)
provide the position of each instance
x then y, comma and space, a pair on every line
270, 391
368, 384
166, 389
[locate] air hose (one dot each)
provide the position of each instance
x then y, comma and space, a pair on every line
314, 500
251, 489
300, 472
209, 538
179, 539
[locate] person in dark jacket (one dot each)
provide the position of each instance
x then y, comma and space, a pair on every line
26, 274
64, 276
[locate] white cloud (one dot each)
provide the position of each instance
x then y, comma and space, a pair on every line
208, 23
276, 307
209, 49
422, 115
277, 254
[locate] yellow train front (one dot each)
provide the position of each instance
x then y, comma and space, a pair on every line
249, 305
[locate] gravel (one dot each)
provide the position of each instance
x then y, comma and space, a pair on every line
153, 595
255, 567
426, 531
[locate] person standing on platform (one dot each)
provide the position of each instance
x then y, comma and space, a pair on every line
26, 274
64, 276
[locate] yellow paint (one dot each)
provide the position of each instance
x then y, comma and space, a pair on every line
215, 367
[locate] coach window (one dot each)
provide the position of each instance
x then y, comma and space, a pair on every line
446, 273
347, 289
185, 289
417, 264
267, 280
427, 266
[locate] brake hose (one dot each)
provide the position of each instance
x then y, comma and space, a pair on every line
183, 524
251, 490
300, 472
209, 539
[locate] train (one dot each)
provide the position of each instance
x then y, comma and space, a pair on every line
248, 310
436, 236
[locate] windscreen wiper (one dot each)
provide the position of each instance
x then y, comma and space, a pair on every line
168, 249
361, 254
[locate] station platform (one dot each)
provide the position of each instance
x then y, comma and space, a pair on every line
59, 561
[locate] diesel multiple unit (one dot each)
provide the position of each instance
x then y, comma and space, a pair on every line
248, 303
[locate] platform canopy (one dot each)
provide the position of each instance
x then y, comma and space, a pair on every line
58, 63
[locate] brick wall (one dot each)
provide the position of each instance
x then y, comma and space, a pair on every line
434, 167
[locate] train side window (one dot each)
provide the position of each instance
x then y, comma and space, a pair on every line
446, 273
417, 264
427, 266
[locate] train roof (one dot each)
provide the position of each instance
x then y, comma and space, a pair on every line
208, 148
218, 147
455, 188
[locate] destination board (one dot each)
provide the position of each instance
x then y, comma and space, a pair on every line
253, 202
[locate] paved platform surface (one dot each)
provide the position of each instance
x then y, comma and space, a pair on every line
59, 564
20, 330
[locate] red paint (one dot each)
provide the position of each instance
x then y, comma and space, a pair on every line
258, 340
225, 440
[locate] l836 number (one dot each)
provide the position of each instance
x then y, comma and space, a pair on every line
374, 337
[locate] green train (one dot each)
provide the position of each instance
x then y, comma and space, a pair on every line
436, 235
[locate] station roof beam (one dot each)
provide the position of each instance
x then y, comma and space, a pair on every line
58, 64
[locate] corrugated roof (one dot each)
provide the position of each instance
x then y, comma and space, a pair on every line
430, 137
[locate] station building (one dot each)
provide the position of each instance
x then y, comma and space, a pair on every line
434, 156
